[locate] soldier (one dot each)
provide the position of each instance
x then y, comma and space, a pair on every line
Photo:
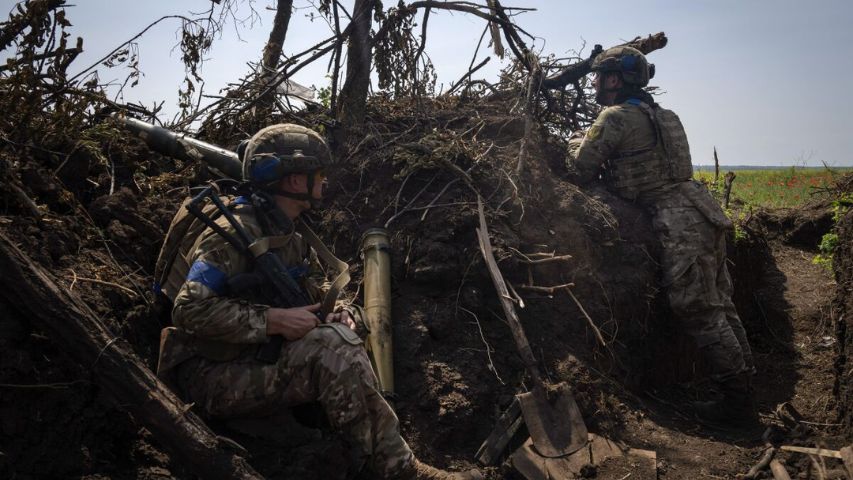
641, 151
210, 354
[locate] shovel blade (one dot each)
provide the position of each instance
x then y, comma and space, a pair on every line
553, 420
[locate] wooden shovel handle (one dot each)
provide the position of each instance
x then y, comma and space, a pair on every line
503, 294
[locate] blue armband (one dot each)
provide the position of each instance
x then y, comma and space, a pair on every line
207, 275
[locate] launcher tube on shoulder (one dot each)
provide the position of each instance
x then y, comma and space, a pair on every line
183, 147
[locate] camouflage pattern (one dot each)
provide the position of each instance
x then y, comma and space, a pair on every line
690, 227
628, 61
296, 148
641, 149
209, 357
328, 365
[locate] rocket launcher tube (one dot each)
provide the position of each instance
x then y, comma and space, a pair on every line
376, 249
180, 146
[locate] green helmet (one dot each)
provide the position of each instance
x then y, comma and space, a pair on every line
282, 149
628, 61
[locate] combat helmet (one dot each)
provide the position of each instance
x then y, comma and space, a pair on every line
630, 62
280, 150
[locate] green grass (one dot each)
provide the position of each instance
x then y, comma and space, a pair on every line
784, 187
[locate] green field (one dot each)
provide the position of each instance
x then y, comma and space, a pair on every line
783, 187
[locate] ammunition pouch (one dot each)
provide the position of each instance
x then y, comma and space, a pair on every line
702, 200
630, 175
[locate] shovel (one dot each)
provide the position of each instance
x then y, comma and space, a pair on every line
552, 416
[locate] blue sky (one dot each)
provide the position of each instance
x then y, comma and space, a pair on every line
766, 82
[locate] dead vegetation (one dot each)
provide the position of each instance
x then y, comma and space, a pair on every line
85, 206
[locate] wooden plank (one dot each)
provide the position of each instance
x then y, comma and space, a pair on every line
598, 450
505, 428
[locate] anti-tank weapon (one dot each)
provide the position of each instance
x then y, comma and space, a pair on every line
183, 147
576, 71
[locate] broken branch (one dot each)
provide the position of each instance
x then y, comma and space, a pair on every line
812, 451
588, 318
546, 290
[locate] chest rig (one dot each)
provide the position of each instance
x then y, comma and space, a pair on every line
667, 161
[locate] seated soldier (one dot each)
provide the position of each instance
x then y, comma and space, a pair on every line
210, 354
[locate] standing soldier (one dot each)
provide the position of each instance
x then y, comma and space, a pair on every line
641, 151
210, 354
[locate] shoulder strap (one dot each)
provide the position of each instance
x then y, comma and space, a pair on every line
343, 277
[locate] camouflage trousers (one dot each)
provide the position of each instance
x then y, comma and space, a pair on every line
693, 259
328, 365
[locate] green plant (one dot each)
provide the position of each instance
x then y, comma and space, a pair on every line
826, 248
737, 219
829, 241
324, 94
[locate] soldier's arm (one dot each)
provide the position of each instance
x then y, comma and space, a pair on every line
588, 151
201, 307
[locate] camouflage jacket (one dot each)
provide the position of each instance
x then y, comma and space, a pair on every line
624, 129
218, 324
619, 128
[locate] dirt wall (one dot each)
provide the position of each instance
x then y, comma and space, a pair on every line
843, 267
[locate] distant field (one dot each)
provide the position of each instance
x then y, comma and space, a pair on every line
783, 187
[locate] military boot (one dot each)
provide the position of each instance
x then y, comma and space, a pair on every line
421, 471
735, 408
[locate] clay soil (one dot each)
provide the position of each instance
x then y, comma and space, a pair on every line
456, 366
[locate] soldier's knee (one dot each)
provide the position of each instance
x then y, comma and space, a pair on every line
323, 336
335, 337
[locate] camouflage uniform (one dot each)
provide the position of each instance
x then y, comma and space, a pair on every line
641, 151
210, 358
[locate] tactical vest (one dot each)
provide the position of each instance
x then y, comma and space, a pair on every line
668, 161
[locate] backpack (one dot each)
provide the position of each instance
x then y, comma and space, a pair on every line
172, 266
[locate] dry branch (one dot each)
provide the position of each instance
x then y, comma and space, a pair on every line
468, 75
79, 333
729, 180
716, 167
823, 452
545, 290
539, 261
19, 22
779, 472
588, 319
762, 464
